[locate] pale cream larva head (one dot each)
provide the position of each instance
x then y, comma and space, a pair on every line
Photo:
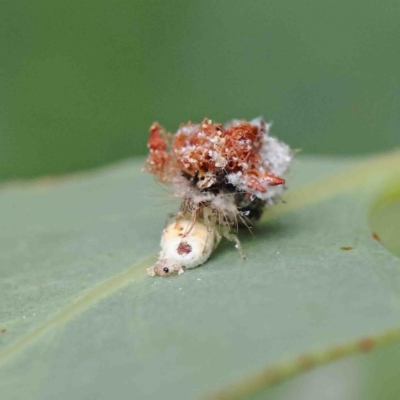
165, 267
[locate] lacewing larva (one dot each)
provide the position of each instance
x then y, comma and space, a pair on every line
225, 176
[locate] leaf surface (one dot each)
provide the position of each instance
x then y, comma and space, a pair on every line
84, 321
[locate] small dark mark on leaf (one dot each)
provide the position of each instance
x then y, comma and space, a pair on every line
3, 331
376, 236
347, 248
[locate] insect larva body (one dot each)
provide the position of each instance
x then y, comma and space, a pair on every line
184, 245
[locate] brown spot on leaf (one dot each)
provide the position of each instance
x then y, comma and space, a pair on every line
3, 331
347, 248
305, 362
337, 352
376, 236
184, 248
271, 376
367, 344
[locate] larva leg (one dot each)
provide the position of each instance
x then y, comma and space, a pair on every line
195, 215
233, 238
213, 233
217, 238
210, 241
178, 218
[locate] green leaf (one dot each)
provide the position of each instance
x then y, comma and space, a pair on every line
80, 318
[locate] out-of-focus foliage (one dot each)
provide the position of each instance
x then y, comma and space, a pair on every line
81, 81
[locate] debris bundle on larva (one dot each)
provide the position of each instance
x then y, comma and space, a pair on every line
225, 176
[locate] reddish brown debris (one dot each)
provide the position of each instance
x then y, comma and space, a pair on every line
159, 159
202, 150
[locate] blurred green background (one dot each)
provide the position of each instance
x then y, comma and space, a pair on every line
82, 80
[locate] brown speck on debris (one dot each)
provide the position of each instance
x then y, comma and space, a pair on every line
347, 248
3, 331
376, 236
